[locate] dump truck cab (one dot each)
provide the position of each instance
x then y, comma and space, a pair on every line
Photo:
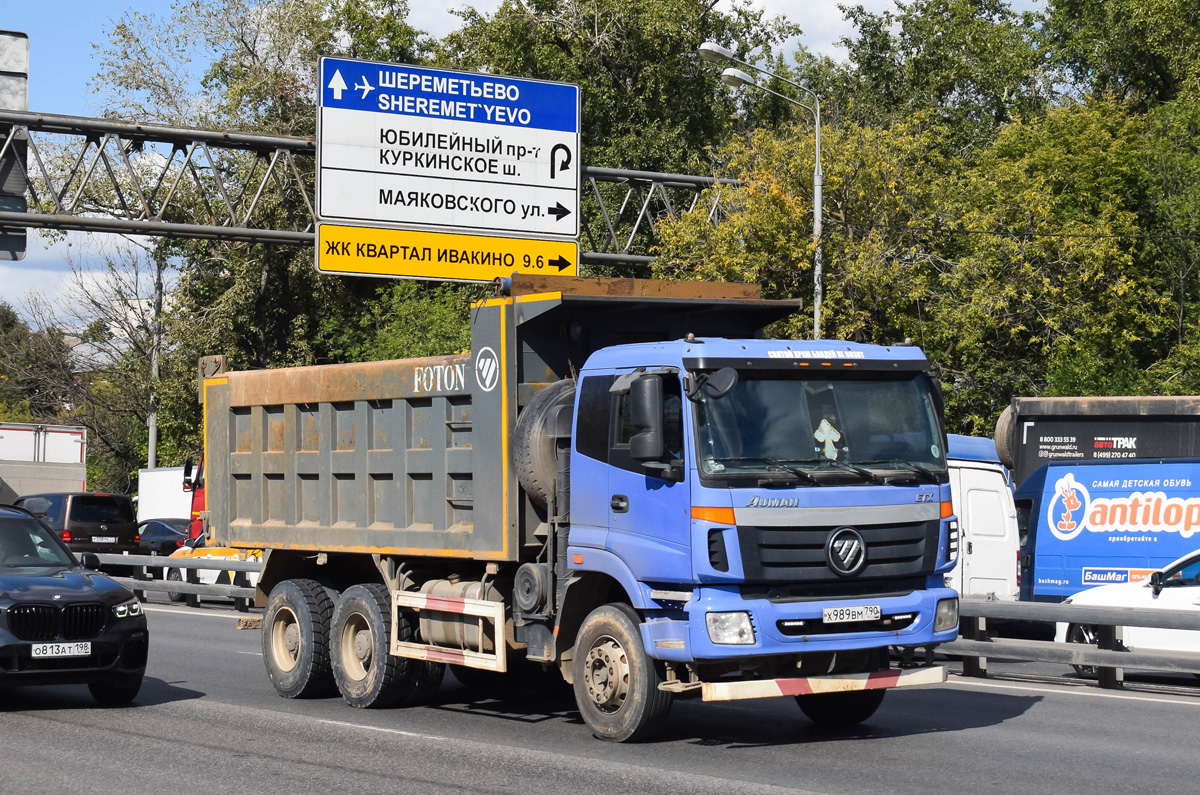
765, 497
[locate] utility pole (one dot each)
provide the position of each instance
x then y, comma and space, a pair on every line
155, 342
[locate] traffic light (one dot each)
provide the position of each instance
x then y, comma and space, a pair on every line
14, 95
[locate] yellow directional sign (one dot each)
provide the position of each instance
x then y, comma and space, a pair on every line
400, 253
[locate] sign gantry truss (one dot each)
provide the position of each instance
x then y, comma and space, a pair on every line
103, 175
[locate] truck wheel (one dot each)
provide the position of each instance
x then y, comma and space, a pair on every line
1083, 633
421, 679
616, 682
533, 449
295, 639
840, 710
1006, 436
366, 673
174, 575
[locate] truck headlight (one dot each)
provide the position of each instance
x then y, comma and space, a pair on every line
128, 609
730, 629
946, 616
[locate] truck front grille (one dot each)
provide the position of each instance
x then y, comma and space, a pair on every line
797, 554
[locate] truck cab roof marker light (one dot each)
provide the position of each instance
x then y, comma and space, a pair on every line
716, 515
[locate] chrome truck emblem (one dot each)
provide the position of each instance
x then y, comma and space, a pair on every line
845, 552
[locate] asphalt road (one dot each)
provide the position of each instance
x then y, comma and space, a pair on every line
208, 722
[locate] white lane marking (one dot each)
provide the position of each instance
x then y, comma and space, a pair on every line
381, 729
205, 613
1075, 691
255, 653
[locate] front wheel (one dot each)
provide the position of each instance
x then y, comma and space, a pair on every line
840, 710
1083, 633
616, 682
111, 692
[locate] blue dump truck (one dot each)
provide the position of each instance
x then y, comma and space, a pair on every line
1089, 523
619, 482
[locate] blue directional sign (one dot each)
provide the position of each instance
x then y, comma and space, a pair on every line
434, 149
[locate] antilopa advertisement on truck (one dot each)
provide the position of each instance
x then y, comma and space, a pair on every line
1098, 525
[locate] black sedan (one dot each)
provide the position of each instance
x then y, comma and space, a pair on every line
161, 536
61, 623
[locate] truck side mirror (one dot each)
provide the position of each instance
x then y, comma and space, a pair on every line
187, 474
646, 414
1156, 582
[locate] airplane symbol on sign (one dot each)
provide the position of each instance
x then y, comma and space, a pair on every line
338, 84
366, 87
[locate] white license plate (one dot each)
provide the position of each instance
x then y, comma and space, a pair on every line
81, 648
104, 539
841, 615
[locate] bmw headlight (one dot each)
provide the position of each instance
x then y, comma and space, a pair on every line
128, 609
946, 616
730, 629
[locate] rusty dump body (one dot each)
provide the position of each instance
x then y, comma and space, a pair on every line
412, 457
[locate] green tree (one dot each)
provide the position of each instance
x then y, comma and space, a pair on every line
1143, 51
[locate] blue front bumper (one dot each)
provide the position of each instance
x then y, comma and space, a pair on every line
670, 637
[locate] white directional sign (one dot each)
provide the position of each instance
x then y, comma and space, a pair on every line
420, 148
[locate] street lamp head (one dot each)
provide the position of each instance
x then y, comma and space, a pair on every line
736, 78
714, 53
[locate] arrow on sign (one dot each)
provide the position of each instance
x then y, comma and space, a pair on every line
338, 84
562, 262
558, 211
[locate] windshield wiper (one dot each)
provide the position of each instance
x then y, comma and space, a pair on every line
926, 473
775, 462
865, 474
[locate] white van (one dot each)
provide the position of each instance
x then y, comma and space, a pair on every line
989, 539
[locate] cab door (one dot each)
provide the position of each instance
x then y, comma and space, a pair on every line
649, 512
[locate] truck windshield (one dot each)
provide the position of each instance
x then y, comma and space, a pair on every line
857, 424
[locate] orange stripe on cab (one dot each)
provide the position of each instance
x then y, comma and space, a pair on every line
719, 515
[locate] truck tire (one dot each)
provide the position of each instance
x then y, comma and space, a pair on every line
533, 449
616, 682
365, 672
295, 639
840, 710
1006, 437
422, 678
174, 575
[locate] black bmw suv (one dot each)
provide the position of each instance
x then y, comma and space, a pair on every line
62, 623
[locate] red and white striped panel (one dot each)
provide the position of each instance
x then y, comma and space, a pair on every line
832, 683
490, 612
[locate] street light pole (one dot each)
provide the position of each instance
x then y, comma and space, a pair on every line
713, 53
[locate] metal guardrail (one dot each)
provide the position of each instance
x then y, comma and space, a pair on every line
1108, 656
143, 580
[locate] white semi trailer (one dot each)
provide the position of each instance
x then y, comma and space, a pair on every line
41, 458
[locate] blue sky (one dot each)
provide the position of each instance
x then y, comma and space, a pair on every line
62, 32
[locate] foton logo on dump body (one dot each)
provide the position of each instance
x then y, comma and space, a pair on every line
1072, 510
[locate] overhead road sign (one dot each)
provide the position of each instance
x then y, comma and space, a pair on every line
369, 251
424, 148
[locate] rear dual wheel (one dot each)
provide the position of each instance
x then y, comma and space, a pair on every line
310, 645
366, 673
